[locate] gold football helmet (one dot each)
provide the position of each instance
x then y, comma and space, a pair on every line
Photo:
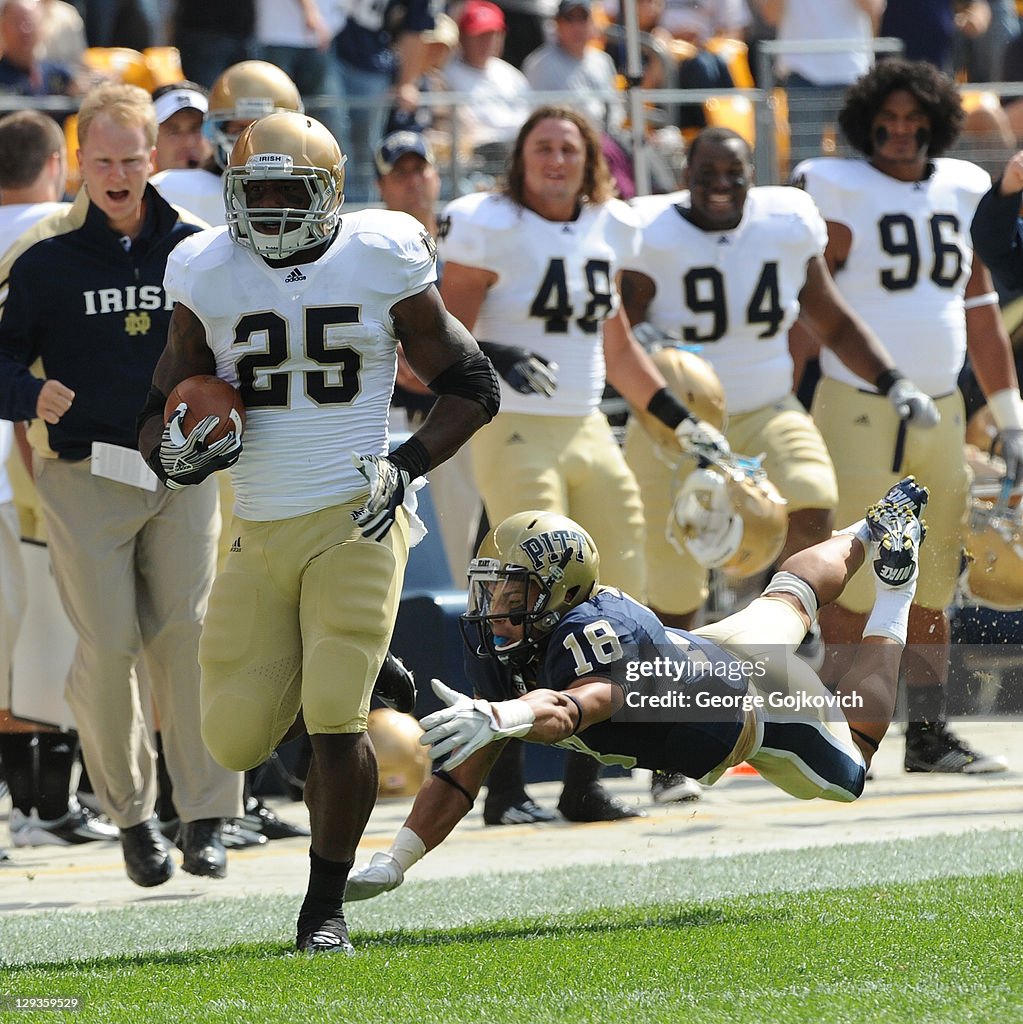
694, 383
729, 517
692, 380
285, 147
993, 538
402, 761
529, 571
246, 92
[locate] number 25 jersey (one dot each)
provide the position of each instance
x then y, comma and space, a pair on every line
311, 348
909, 261
555, 287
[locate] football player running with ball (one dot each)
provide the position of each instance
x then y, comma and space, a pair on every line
303, 312
561, 659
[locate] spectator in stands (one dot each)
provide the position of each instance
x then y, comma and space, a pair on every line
21, 71
180, 142
63, 33
213, 36
816, 82
499, 95
928, 28
379, 51
569, 62
133, 23
296, 36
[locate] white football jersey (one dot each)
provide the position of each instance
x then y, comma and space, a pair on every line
198, 191
909, 262
312, 349
555, 287
733, 293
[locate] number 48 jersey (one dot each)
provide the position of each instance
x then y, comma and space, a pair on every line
736, 292
311, 348
555, 286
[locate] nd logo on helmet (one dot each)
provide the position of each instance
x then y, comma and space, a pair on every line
549, 548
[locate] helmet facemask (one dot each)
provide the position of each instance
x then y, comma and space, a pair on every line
285, 230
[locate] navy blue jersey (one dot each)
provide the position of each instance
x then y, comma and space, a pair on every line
612, 636
96, 313
374, 25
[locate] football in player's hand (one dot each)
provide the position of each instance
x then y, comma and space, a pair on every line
206, 395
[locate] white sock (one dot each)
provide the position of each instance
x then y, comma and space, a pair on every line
890, 615
859, 530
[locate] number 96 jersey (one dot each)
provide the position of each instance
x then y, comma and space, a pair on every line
909, 261
555, 287
312, 349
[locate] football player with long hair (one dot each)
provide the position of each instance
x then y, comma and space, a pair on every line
537, 265
899, 249
561, 659
303, 312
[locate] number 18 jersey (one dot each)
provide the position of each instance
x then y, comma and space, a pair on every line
555, 287
311, 348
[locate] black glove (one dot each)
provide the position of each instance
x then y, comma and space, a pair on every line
523, 371
1011, 441
387, 485
180, 461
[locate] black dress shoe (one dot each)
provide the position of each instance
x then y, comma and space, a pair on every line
145, 857
203, 848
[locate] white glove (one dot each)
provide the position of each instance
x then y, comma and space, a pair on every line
382, 874
189, 460
650, 337
387, 485
698, 437
912, 405
467, 725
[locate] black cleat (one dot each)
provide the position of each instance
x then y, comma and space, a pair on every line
935, 748
522, 812
261, 819
329, 936
595, 803
395, 686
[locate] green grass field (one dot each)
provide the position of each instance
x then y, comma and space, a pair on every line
657, 943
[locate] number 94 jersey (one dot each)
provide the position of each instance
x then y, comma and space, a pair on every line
555, 287
909, 260
312, 349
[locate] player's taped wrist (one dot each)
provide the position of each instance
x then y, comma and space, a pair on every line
512, 717
1007, 409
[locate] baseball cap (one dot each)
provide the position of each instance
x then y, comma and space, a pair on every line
179, 96
479, 16
444, 31
570, 5
396, 145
